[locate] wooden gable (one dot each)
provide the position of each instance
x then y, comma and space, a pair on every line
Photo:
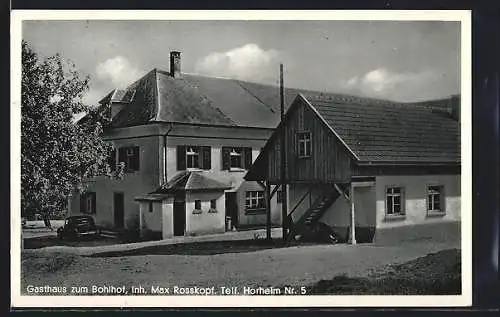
329, 160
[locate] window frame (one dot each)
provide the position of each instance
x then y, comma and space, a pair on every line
302, 143
402, 202
213, 206
233, 153
193, 153
129, 156
435, 212
197, 210
259, 198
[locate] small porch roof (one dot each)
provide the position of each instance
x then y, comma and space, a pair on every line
186, 181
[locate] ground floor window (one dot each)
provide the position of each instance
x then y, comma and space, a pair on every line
88, 203
254, 202
213, 206
394, 201
434, 199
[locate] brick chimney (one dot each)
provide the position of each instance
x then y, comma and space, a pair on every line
175, 63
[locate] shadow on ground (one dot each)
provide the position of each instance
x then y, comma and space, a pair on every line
51, 241
204, 248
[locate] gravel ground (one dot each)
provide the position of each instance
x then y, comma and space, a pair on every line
299, 266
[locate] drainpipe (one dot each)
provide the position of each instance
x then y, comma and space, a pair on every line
165, 153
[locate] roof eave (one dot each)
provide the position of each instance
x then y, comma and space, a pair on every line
406, 163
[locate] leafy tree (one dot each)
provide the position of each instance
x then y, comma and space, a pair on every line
58, 155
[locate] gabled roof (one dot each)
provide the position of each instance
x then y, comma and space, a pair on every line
381, 133
393, 132
188, 180
159, 97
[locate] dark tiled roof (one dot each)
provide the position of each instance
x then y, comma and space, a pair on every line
391, 132
157, 96
188, 180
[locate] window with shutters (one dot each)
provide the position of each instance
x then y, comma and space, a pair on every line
254, 202
193, 157
130, 157
236, 158
394, 202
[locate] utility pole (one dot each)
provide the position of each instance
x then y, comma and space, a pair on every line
284, 202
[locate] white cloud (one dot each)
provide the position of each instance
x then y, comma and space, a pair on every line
382, 81
248, 62
119, 71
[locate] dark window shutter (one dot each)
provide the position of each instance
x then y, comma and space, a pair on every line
122, 156
112, 159
93, 204
135, 159
181, 157
248, 157
206, 153
226, 164
83, 203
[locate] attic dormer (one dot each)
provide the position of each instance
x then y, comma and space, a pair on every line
117, 100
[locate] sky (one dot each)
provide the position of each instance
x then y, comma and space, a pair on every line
395, 60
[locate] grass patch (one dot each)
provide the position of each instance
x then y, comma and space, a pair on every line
36, 263
434, 274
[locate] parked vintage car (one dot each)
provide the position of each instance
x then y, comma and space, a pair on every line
76, 227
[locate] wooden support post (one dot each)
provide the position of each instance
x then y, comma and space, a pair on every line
267, 195
284, 207
353, 217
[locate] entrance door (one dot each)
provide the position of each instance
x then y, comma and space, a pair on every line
118, 206
231, 209
179, 214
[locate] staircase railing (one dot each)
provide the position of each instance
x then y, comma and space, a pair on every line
298, 225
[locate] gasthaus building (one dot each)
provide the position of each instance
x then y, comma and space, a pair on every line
378, 171
186, 142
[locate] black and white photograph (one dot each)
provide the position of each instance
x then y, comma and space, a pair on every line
175, 159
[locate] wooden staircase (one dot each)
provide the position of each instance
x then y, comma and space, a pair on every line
310, 218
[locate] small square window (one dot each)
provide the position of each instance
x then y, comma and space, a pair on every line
255, 202
435, 199
304, 144
197, 204
213, 206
